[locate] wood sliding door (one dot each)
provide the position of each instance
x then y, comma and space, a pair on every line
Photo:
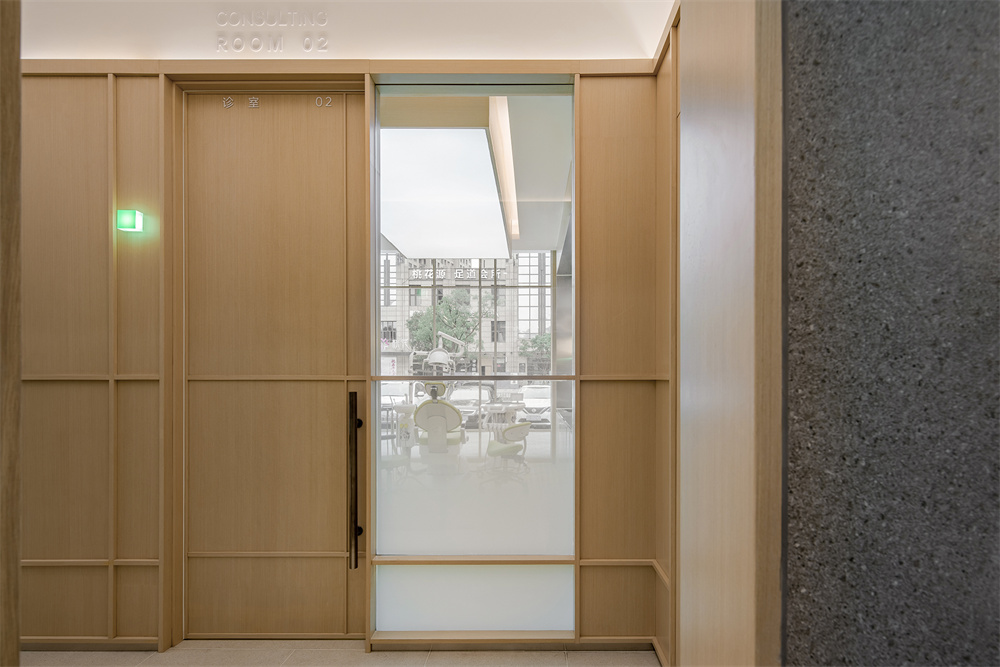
274, 183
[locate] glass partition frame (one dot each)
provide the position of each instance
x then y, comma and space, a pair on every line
522, 299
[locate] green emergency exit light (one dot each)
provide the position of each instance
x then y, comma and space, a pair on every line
129, 221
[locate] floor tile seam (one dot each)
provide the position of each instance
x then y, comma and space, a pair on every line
147, 658
339, 650
264, 648
212, 648
260, 648
257, 648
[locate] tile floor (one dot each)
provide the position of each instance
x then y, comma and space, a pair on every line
316, 653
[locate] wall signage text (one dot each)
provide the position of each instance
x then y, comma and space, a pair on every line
271, 31
471, 275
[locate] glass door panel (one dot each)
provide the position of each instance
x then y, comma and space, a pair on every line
474, 455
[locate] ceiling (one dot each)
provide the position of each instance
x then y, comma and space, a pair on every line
439, 195
371, 29
542, 140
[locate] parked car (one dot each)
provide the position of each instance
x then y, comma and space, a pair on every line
537, 399
471, 398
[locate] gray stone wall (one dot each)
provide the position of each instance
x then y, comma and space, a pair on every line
893, 331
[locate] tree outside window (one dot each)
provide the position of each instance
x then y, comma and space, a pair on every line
454, 317
537, 353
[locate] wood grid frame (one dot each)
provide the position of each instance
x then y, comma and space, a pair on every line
621, 363
640, 560
587, 379
667, 225
483, 640
10, 327
125, 377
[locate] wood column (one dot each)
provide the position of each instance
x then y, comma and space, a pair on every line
10, 328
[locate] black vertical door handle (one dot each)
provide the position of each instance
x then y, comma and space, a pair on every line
353, 529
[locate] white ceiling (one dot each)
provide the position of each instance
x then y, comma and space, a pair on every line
372, 29
542, 142
439, 195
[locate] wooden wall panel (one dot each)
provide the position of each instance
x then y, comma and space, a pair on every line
265, 236
357, 601
617, 431
617, 164
769, 325
266, 466
10, 329
67, 226
64, 602
66, 491
92, 485
137, 469
617, 601
666, 324
664, 616
137, 175
266, 595
362, 388
138, 592
728, 475
666, 117
358, 233
357, 598
663, 475
666, 222
174, 432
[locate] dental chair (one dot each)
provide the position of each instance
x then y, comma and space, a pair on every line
441, 432
509, 446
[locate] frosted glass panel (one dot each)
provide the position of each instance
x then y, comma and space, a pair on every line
475, 468
474, 597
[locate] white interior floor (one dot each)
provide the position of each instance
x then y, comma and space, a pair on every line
320, 653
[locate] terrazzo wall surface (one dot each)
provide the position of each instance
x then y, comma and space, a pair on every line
893, 388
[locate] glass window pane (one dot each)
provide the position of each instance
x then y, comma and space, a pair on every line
436, 332
463, 309
562, 344
475, 285
391, 269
